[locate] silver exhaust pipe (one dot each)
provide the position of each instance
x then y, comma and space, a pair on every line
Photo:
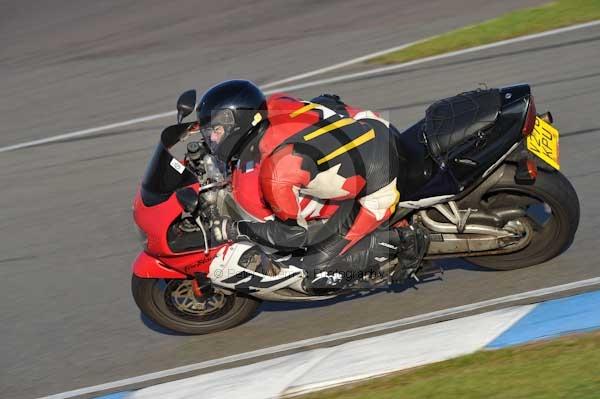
440, 227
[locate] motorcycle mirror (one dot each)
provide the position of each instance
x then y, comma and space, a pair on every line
185, 104
188, 199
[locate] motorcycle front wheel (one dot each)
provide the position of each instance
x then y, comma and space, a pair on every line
173, 305
552, 206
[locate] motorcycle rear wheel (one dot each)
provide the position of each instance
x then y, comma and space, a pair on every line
556, 193
171, 304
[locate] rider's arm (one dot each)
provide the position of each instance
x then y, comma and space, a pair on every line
285, 175
274, 233
281, 176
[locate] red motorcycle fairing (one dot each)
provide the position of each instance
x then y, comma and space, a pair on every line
155, 220
193, 262
146, 266
156, 208
176, 267
158, 260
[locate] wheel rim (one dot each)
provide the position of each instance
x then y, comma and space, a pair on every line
543, 223
183, 298
537, 210
176, 300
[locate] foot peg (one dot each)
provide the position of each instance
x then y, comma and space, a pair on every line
424, 271
413, 244
429, 269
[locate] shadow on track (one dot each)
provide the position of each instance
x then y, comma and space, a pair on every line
159, 329
448, 264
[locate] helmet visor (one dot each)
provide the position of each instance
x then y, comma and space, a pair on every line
220, 124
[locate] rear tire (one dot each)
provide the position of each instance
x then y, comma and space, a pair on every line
154, 299
551, 188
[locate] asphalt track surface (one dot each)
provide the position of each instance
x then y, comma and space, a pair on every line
67, 317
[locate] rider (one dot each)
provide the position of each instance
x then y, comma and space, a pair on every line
321, 175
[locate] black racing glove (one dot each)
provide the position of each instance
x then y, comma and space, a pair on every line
272, 233
224, 229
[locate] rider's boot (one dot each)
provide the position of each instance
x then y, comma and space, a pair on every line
256, 260
366, 258
414, 242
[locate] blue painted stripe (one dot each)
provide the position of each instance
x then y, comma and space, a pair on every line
118, 395
553, 318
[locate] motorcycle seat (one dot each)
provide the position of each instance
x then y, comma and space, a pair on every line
454, 120
416, 164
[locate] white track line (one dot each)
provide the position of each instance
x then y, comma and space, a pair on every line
327, 338
333, 67
436, 57
85, 132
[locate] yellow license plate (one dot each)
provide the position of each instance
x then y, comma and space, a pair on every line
543, 142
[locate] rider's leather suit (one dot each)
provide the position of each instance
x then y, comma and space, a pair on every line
322, 176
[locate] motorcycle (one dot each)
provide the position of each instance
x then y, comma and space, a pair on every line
483, 177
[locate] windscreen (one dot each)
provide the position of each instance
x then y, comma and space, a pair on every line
165, 173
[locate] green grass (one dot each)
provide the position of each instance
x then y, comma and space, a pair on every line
564, 368
517, 23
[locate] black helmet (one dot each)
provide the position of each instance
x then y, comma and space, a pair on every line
229, 114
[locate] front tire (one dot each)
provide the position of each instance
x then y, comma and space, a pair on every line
548, 241
169, 304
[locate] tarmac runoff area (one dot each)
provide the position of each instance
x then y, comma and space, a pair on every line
366, 358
